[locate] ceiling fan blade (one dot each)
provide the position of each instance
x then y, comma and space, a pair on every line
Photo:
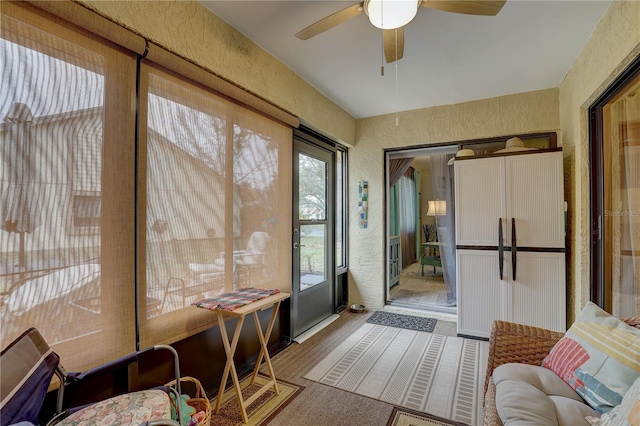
469, 7
392, 39
331, 21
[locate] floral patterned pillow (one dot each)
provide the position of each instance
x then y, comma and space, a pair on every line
129, 409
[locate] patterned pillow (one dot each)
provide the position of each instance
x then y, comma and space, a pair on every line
599, 357
628, 412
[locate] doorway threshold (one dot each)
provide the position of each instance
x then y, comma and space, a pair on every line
316, 328
452, 310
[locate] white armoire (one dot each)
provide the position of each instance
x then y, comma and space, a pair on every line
510, 241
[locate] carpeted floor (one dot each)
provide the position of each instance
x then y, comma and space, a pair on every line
440, 375
321, 405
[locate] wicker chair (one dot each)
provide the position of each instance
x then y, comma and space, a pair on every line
509, 342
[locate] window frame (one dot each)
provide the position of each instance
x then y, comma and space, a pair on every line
342, 265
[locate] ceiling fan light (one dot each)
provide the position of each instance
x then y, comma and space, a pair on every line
391, 14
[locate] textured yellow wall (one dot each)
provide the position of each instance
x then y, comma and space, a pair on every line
189, 29
529, 112
614, 43
192, 31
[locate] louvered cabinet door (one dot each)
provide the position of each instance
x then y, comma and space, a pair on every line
535, 199
480, 201
537, 296
481, 292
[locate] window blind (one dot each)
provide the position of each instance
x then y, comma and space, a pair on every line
216, 202
66, 188
205, 195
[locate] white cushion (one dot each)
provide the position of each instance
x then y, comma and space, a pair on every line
532, 395
204, 268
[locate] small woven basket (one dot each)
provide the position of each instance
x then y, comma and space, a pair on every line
197, 397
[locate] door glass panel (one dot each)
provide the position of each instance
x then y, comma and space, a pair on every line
312, 188
622, 201
313, 269
340, 211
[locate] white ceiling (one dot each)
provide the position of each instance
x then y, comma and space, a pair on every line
448, 58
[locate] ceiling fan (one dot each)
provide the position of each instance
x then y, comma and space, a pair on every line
392, 15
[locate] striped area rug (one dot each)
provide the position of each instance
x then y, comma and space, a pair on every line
427, 372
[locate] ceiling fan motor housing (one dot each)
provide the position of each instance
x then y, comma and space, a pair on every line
391, 14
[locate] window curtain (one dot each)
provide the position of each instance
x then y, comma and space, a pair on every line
400, 214
66, 188
397, 168
407, 217
623, 214
442, 178
216, 203
394, 211
418, 225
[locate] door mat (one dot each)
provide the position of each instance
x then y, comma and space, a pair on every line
409, 322
403, 417
262, 411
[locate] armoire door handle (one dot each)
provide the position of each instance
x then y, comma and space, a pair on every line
514, 249
500, 249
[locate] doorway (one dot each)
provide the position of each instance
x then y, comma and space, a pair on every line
421, 231
615, 196
313, 233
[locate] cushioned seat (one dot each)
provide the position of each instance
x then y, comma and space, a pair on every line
532, 395
131, 409
598, 358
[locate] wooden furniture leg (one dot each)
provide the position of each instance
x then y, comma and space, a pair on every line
230, 349
264, 340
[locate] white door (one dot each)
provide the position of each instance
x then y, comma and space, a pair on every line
480, 201
482, 295
537, 296
535, 199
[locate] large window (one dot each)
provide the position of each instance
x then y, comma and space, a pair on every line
217, 203
93, 214
615, 165
66, 188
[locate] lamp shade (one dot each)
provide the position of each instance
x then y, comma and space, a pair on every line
391, 14
437, 208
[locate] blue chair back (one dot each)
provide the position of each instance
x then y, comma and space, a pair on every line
26, 368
